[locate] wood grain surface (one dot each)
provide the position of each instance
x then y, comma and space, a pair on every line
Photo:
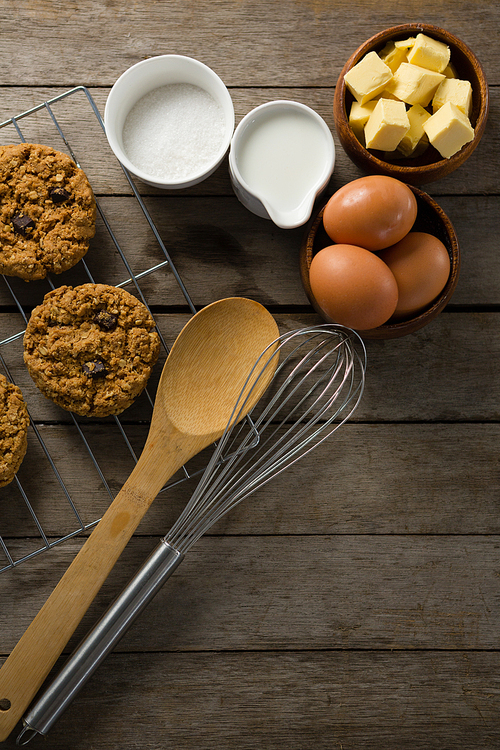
354, 602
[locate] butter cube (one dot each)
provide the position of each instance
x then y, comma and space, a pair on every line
397, 154
454, 90
405, 43
450, 71
429, 53
393, 56
414, 85
358, 117
417, 115
386, 125
448, 130
368, 78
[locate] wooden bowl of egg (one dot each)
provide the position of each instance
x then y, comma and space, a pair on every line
412, 103
380, 257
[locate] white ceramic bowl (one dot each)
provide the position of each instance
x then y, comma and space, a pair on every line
147, 76
282, 156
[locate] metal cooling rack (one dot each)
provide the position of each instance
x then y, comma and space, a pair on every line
38, 539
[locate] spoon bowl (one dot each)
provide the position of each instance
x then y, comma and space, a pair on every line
198, 399
207, 369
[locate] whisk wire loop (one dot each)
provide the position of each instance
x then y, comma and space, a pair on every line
315, 389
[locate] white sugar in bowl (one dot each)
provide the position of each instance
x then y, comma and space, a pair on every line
169, 120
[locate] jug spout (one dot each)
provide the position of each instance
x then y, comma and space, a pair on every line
294, 217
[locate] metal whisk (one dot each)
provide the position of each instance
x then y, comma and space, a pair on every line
317, 385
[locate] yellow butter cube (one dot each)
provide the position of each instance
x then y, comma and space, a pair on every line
414, 85
393, 56
450, 71
368, 78
397, 154
417, 115
448, 130
454, 90
406, 43
386, 125
429, 53
358, 117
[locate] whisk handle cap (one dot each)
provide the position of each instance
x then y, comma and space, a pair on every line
100, 641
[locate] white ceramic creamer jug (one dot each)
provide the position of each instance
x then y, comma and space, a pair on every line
281, 157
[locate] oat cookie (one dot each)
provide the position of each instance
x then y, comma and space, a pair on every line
91, 348
14, 422
47, 211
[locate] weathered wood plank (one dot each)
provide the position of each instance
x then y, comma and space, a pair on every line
423, 377
331, 700
292, 592
247, 43
368, 479
219, 248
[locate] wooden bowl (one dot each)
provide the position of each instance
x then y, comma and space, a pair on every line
430, 165
430, 218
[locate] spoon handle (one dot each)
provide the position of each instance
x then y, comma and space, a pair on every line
42, 643
101, 640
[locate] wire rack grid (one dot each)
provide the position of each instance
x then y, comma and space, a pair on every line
39, 539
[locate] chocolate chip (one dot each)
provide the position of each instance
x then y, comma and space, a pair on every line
58, 195
23, 224
94, 369
105, 319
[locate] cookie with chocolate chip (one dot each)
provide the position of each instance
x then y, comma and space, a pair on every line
47, 211
91, 348
14, 422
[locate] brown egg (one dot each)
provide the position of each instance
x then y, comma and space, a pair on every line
421, 265
353, 286
373, 212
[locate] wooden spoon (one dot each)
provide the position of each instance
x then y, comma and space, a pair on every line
203, 376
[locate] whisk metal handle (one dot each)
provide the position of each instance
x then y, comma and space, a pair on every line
100, 641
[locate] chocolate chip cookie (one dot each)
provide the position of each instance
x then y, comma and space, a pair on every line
91, 348
47, 211
14, 422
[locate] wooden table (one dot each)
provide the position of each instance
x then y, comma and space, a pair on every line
355, 602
